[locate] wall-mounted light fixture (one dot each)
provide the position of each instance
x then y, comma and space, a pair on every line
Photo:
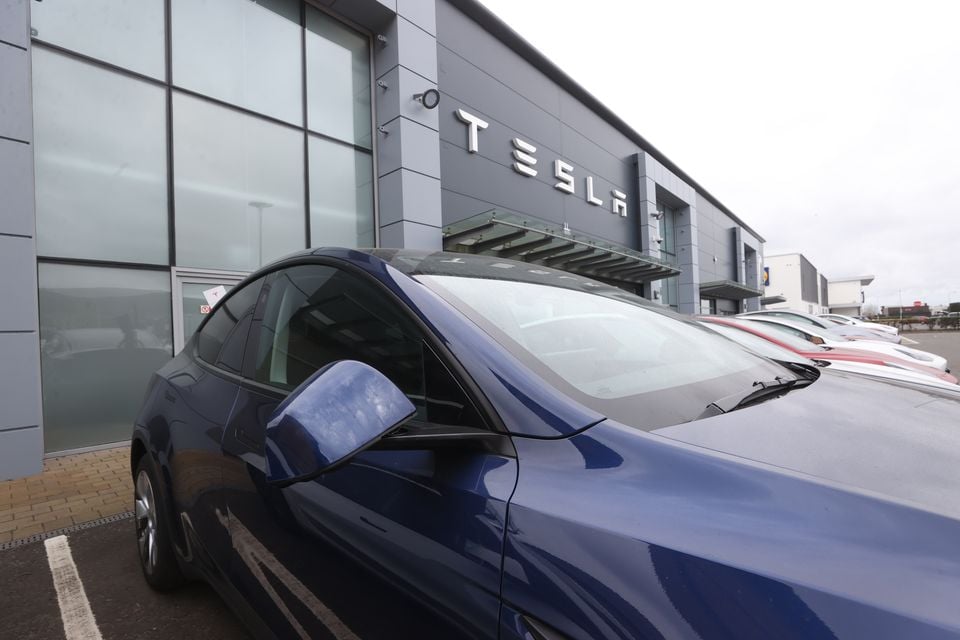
429, 98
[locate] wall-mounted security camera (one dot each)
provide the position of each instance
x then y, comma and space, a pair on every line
656, 214
429, 98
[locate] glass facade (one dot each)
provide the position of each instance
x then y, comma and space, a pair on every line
101, 163
103, 332
241, 135
668, 251
238, 187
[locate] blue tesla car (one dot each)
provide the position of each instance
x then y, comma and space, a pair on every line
398, 444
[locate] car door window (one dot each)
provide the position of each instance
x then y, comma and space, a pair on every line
222, 338
315, 315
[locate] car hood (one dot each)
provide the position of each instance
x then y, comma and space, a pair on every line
896, 439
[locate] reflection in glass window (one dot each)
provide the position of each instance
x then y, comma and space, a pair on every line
103, 332
101, 164
338, 79
238, 187
239, 52
127, 33
341, 195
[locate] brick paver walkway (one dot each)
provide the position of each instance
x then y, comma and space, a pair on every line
71, 489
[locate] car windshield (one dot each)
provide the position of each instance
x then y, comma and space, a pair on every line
610, 350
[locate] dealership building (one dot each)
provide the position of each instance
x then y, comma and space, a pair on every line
152, 151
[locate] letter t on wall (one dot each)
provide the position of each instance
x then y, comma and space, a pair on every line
473, 125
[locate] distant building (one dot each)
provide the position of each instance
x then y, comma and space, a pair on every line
793, 282
846, 294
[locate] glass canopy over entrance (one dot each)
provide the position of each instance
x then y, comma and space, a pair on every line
508, 235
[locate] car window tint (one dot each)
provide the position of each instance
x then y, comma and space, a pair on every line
315, 315
445, 400
222, 339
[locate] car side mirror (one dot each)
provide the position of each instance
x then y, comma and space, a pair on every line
335, 414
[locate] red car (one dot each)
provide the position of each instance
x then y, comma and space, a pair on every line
823, 352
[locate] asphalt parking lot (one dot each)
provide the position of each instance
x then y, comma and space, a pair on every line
942, 343
122, 604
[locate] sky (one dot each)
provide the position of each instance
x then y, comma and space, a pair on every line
832, 128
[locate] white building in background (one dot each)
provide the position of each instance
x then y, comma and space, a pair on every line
846, 295
793, 282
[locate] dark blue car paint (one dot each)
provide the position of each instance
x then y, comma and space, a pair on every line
611, 532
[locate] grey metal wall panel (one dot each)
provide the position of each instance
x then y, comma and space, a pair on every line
465, 85
410, 46
420, 12
13, 22
589, 125
411, 145
16, 119
19, 380
411, 235
375, 15
18, 284
418, 201
396, 100
808, 281
21, 453
16, 188
461, 35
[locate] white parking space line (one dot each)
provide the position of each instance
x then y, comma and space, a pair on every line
75, 612
905, 340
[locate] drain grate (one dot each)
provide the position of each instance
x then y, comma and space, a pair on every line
39, 537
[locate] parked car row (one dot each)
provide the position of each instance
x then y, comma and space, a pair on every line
401, 444
774, 337
846, 329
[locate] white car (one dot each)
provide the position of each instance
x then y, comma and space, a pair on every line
892, 373
811, 334
876, 326
887, 371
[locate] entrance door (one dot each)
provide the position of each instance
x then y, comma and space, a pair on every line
195, 293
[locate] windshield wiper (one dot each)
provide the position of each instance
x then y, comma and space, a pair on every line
761, 390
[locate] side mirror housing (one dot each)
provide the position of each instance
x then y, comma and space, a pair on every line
335, 414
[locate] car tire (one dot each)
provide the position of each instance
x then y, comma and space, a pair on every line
154, 534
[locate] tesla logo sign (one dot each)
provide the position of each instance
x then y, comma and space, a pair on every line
524, 162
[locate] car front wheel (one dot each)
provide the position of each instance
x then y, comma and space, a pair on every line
154, 542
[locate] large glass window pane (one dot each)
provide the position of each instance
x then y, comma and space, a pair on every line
341, 195
239, 52
238, 187
338, 79
101, 164
127, 33
103, 332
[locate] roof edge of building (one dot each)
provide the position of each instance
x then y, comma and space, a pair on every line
493, 24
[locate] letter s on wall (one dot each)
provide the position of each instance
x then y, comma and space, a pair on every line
561, 171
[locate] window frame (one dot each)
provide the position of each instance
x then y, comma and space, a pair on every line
473, 393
